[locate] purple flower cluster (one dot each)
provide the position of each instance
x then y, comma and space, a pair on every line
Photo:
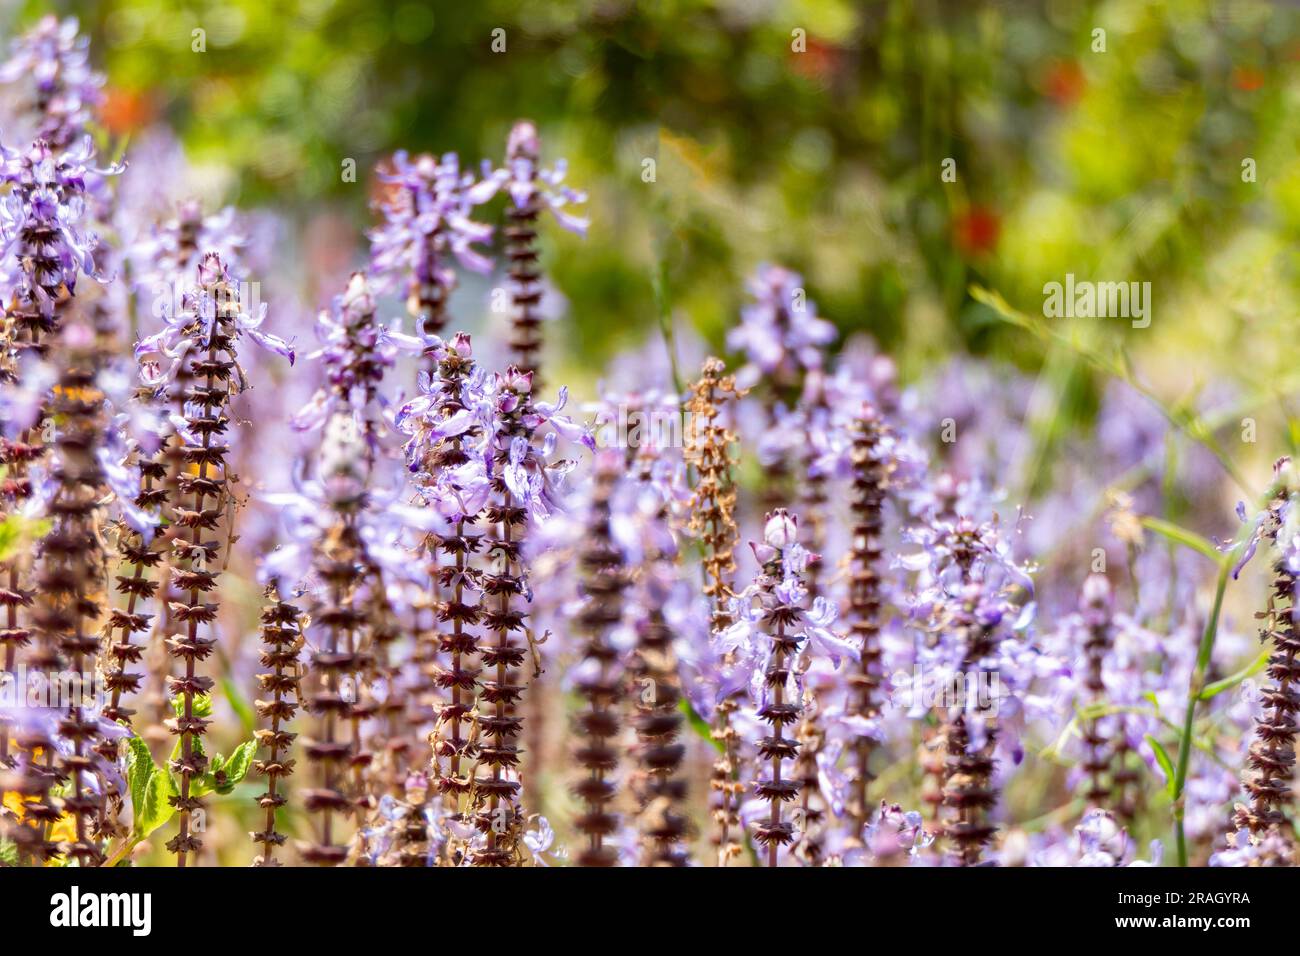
59, 90
356, 352
780, 333
194, 326
43, 244
953, 617
426, 231
528, 183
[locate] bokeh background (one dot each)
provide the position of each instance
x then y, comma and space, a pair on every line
1117, 165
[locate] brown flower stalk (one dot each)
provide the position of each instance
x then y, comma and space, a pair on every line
26, 331
1099, 637
205, 483
495, 794
422, 704
68, 581
523, 150
1271, 765
933, 748
969, 792
454, 747
812, 805
870, 475
34, 773
282, 641
356, 366
178, 258
604, 580
32, 317
15, 597
780, 620
712, 509
658, 784
812, 505
712, 505
389, 739
524, 205
338, 617
932, 759
529, 190
136, 553
140, 556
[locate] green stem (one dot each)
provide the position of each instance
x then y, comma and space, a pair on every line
664, 309
117, 856
1193, 698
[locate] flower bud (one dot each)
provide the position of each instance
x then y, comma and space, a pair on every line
781, 530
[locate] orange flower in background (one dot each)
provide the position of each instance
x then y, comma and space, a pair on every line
976, 230
125, 111
1063, 81
817, 61
1248, 79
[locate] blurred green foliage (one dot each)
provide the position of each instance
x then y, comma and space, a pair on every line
810, 132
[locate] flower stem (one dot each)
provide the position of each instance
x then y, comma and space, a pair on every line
1193, 697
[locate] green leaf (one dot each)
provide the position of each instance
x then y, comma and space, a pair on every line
150, 787
241, 761
139, 767
202, 708
698, 724
1219, 686
236, 768
239, 704
224, 774
8, 538
1183, 536
8, 852
202, 705
1166, 765
16, 532
157, 805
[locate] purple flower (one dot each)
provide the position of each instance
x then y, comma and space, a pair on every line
779, 333
1101, 841
357, 351
548, 413
193, 326
527, 470
170, 254
426, 225
1270, 849
528, 183
22, 400
540, 841
50, 62
781, 530
820, 636
123, 479
42, 245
